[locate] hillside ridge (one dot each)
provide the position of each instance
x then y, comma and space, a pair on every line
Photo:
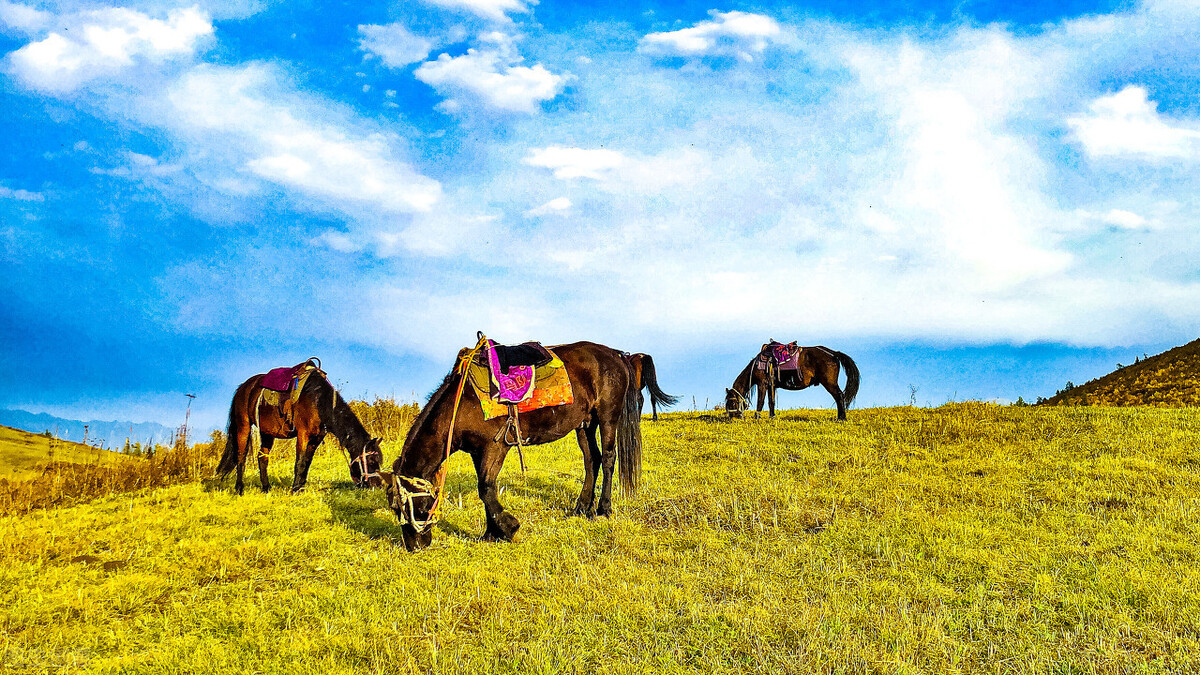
1168, 379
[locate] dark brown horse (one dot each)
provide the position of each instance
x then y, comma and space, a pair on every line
646, 378
320, 409
817, 365
605, 400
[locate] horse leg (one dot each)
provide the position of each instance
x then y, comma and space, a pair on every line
586, 435
264, 454
306, 447
840, 400
608, 459
243, 440
501, 525
771, 399
762, 393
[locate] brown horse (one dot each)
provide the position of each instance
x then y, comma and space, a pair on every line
320, 409
817, 365
645, 377
605, 400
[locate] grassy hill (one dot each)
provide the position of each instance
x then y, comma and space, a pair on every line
1169, 379
970, 538
22, 454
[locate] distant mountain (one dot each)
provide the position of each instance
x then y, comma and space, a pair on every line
98, 432
1169, 379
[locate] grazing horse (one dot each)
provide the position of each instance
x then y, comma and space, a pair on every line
815, 365
645, 377
605, 400
320, 409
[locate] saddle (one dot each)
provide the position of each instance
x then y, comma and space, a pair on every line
526, 377
781, 356
281, 388
514, 379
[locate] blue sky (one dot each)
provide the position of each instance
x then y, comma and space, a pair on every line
979, 199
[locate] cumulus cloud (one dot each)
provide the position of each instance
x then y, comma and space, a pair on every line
740, 34
102, 43
491, 76
295, 142
393, 44
1127, 124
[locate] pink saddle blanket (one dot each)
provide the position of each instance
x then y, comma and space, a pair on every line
513, 386
283, 379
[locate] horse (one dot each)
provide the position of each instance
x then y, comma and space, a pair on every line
605, 399
644, 376
320, 409
816, 365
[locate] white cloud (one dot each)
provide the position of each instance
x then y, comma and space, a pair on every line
495, 10
491, 76
23, 18
294, 141
1127, 124
394, 44
555, 207
21, 195
567, 163
103, 43
1118, 218
617, 172
735, 33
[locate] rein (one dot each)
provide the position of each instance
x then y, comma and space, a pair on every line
406, 510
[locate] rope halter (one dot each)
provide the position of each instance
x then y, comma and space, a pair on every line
364, 473
403, 502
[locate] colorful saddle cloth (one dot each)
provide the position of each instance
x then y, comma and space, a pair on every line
784, 356
499, 382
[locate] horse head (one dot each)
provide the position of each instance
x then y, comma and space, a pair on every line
413, 500
735, 403
364, 469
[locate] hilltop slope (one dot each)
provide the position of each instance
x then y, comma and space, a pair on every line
21, 453
1169, 379
1049, 540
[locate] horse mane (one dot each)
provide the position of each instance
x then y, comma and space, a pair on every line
343, 423
744, 378
435, 398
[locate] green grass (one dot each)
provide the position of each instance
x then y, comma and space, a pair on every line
969, 538
22, 454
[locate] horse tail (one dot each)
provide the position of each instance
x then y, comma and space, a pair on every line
650, 381
229, 458
851, 368
629, 440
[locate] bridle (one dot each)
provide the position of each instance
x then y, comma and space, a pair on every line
361, 462
403, 502
743, 403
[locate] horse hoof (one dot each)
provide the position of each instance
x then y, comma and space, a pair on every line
584, 513
508, 525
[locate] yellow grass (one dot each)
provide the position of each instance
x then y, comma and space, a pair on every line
966, 539
23, 455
